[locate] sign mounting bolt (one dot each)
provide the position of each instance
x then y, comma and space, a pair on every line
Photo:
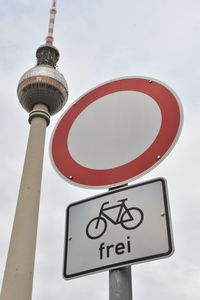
71, 177
158, 157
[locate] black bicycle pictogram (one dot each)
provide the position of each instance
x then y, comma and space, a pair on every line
128, 217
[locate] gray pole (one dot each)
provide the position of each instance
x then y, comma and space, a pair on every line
120, 284
120, 280
18, 277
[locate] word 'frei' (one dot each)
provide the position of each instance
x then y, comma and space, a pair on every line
119, 249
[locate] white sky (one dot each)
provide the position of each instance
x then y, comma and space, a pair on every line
99, 41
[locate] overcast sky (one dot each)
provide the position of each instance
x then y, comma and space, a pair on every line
100, 41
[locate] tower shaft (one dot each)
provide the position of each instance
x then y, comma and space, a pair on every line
18, 277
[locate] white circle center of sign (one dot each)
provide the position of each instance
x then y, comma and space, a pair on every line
114, 130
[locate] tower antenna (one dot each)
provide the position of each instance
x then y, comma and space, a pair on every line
47, 54
53, 11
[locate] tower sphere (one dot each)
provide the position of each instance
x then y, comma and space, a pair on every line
43, 85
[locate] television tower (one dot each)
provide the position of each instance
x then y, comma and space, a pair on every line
42, 91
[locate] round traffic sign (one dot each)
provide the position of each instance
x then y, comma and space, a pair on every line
116, 132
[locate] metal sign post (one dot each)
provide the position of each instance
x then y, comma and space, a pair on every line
120, 284
120, 281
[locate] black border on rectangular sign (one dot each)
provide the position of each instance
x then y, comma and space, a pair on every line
130, 262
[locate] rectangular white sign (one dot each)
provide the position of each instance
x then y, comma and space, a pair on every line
118, 228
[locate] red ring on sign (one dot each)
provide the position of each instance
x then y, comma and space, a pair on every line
170, 127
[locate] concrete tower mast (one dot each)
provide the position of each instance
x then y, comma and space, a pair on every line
42, 91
